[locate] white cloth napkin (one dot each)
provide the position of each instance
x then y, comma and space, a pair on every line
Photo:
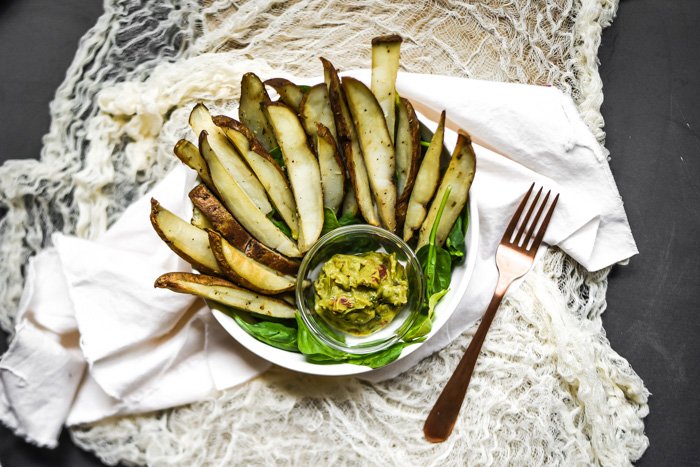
95, 339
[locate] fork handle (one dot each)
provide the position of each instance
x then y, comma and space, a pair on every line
443, 416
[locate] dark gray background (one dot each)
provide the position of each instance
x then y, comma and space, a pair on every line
650, 65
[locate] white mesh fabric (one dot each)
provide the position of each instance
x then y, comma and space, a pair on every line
548, 388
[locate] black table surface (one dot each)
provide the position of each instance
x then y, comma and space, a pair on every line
650, 66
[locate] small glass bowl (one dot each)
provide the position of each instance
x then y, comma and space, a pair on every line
356, 239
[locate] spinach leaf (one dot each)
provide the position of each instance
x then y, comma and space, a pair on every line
277, 156
433, 301
304, 88
275, 334
314, 349
425, 144
277, 220
381, 358
420, 328
318, 352
455, 240
349, 219
436, 261
331, 222
437, 270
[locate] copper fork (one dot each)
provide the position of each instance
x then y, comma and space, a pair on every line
514, 258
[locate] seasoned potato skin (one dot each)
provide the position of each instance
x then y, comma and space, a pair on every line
290, 93
459, 176
253, 97
180, 250
414, 148
350, 146
377, 147
223, 291
227, 225
256, 282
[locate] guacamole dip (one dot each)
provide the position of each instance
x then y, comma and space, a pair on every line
360, 294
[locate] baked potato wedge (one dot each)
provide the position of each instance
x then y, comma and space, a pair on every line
186, 240
250, 110
408, 151
265, 167
459, 176
302, 169
245, 271
199, 220
290, 93
190, 156
315, 108
408, 147
201, 120
242, 206
332, 170
350, 206
385, 67
426, 182
223, 222
224, 292
377, 147
426, 134
350, 146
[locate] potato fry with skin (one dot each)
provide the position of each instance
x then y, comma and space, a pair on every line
408, 151
377, 147
302, 169
242, 207
290, 93
245, 271
348, 142
186, 240
199, 220
459, 176
350, 207
223, 222
190, 156
315, 108
332, 170
250, 110
385, 67
265, 167
201, 120
426, 182
224, 292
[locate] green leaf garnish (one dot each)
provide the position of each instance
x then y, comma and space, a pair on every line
331, 221
318, 352
277, 156
454, 244
436, 261
279, 223
275, 334
433, 301
420, 328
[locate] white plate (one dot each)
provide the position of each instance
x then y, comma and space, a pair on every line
458, 286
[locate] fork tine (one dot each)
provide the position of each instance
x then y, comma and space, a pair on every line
543, 228
523, 226
537, 218
514, 221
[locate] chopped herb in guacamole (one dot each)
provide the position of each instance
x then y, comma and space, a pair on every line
360, 294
